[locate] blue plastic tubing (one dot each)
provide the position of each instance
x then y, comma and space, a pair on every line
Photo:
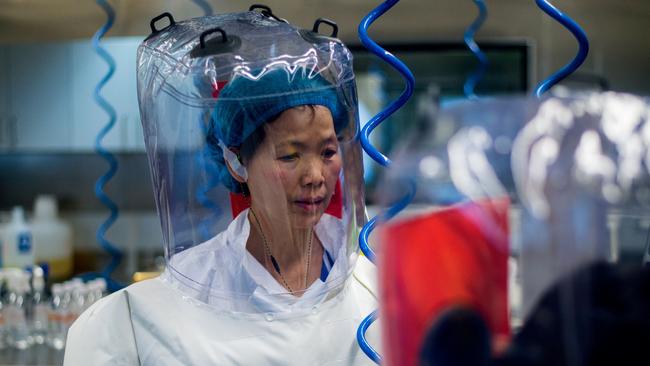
583, 47
384, 114
470, 32
361, 337
116, 254
375, 154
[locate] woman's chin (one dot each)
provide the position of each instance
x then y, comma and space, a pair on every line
306, 220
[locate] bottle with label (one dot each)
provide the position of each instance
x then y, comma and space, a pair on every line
17, 248
52, 238
78, 295
94, 291
40, 307
17, 332
58, 315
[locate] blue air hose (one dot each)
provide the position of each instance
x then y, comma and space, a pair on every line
470, 32
583, 47
116, 254
361, 337
377, 156
204, 5
398, 65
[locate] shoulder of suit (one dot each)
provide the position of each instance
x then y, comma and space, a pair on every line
365, 274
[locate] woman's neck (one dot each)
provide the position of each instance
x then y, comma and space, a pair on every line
294, 250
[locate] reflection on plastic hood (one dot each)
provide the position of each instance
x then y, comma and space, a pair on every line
605, 134
576, 185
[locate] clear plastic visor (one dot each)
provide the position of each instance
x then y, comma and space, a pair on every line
269, 226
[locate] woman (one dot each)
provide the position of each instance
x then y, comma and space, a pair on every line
292, 174
282, 155
280, 282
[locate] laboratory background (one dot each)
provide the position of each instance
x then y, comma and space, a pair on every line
78, 216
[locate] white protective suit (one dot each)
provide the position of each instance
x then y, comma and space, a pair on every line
154, 323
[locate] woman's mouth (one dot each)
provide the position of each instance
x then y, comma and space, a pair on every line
310, 204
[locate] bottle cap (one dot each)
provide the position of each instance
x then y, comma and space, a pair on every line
18, 215
76, 281
101, 284
38, 283
45, 207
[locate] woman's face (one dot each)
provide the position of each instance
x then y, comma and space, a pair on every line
293, 173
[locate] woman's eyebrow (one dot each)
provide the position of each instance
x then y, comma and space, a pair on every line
301, 145
292, 143
330, 139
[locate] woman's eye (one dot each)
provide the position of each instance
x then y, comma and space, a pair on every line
329, 153
289, 157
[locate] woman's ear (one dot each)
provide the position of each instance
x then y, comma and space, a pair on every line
235, 167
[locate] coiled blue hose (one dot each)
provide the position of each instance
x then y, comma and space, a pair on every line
470, 32
204, 5
398, 65
583, 47
116, 254
361, 337
377, 156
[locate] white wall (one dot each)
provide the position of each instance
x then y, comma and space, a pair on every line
48, 96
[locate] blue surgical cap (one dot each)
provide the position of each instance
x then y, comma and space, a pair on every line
247, 102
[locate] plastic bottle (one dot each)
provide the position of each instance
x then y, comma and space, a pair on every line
91, 294
69, 318
57, 318
101, 288
40, 307
77, 301
17, 248
17, 332
52, 238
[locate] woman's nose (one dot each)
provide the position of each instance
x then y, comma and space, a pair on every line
313, 173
